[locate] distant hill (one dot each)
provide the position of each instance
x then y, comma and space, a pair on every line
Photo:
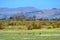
30, 11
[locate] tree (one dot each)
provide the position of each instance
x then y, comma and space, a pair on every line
21, 16
34, 17
11, 18
1, 25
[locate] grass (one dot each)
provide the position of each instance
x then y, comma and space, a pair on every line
21, 34
22, 37
38, 31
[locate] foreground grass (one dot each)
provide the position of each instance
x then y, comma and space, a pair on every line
22, 37
21, 34
40, 31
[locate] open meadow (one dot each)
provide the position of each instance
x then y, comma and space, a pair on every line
29, 30
29, 34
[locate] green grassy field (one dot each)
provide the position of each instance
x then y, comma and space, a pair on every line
22, 37
35, 31
21, 34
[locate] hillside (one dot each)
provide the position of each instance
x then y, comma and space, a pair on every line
30, 12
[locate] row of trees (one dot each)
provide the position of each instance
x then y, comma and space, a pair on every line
23, 17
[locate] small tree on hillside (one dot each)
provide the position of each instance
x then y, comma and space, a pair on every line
34, 18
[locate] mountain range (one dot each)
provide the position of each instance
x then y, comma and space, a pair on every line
30, 12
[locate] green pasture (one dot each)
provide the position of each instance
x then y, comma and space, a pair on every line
22, 37
29, 34
34, 31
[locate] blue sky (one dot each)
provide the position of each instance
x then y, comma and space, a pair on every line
40, 4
